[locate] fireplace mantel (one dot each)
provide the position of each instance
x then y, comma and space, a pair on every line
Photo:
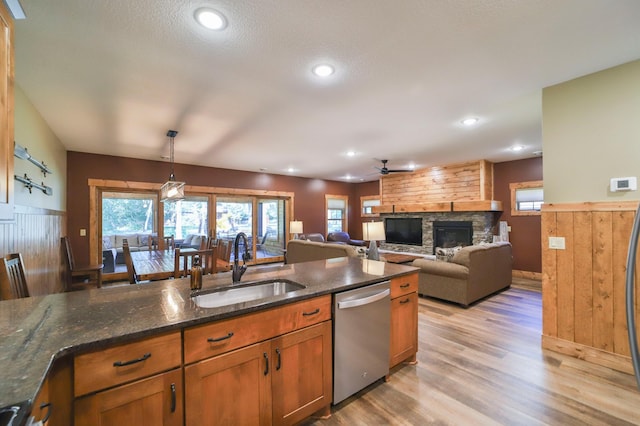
444, 206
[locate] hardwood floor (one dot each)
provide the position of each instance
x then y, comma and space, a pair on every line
484, 366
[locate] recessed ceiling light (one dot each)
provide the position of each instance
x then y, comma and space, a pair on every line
291, 170
470, 121
517, 148
351, 153
323, 70
211, 19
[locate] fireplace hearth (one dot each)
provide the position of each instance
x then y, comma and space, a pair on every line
452, 233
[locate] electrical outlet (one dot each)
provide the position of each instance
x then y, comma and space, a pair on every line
556, 243
83, 232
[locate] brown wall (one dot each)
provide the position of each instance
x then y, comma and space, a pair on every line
308, 207
525, 230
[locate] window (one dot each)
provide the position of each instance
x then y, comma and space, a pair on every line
336, 206
367, 204
128, 213
526, 198
187, 216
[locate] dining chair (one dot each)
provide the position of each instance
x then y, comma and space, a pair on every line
223, 255
153, 243
128, 261
184, 260
13, 283
169, 243
78, 277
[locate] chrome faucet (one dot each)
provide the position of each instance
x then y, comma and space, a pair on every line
237, 270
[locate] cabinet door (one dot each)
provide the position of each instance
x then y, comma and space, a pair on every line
404, 329
302, 374
6, 114
230, 389
153, 401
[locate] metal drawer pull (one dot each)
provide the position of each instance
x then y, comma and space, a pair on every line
173, 397
49, 407
279, 364
220, 339
266, 363
306, 314
404, 285
407, 300
133, 361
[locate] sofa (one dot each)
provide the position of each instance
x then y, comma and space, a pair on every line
112, 252
345, 238
304, 251
473, 273
191, 241
312, 236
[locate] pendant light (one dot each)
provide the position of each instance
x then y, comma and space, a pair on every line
172, 190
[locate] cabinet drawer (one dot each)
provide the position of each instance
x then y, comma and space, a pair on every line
212, 339
120, 364
404, 285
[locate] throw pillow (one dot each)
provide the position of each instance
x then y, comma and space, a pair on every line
106, 243
446, 253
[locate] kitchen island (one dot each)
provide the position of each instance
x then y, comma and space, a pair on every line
36, 332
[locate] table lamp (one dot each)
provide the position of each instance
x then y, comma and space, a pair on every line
295, 227
373, 232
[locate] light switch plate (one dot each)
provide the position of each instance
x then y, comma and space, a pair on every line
83, 232
556, 243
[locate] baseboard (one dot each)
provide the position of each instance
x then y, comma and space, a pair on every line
587, 353
526, 274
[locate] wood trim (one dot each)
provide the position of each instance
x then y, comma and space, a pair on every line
513, 187
7, 78
477, 206
345, 219
526, 274
424, 207
38, 211
588, 353
590, 206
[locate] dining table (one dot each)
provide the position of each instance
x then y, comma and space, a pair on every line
155, 264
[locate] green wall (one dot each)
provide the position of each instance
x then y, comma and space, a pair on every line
33, 133
591, 133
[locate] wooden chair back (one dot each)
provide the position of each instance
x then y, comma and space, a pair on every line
184, 260
169, 243
223, 256
13, 283
82, 276
154, 244
128, 261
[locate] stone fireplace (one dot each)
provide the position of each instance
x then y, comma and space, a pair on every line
484, 225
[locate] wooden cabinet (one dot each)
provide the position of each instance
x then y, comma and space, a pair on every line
6, 114
404, 319
133, 383
281, 380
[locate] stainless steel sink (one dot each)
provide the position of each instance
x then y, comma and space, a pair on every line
244, 292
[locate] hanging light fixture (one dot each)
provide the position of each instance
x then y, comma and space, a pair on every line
172, 190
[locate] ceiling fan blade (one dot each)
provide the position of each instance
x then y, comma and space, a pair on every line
400, 171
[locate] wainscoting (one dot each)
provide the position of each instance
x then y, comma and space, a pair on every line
36, 234
583, 285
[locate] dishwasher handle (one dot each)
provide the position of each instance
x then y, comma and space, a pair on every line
364, 301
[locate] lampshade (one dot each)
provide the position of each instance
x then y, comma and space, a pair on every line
373, 231
295, 227
172, 190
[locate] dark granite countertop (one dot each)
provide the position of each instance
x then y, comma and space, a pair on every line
36, 330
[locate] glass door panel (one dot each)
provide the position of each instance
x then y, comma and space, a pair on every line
186, 217
270, 232
234, 215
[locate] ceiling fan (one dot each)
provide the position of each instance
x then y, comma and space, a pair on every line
385, 171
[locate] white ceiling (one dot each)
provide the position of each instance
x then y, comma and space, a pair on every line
112, 76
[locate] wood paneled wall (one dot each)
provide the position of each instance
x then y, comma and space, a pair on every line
470, 181
583, 286
36, 234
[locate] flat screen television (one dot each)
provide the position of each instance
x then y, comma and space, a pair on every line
403, 230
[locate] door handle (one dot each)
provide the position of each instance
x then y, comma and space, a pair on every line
363, 301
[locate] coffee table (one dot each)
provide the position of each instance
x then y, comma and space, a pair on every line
399, 257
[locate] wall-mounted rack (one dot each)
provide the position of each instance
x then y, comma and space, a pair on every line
31, 184
22, 153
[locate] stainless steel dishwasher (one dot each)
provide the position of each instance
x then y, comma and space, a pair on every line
361, 327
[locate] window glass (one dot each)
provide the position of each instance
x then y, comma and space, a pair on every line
526, 198
128, 213
336, 213
187, 216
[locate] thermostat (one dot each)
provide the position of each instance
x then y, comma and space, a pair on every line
624, 184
